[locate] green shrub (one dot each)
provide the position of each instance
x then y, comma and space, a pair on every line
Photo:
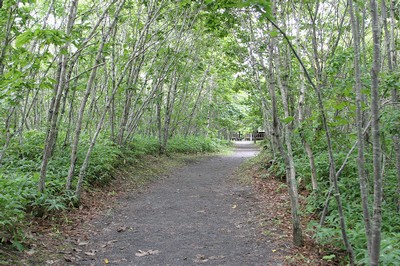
17, 190
30, 148
141, 145
19, 174
325, 235
103, 161
194, 144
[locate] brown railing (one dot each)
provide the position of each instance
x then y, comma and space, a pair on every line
259, 136
252, 136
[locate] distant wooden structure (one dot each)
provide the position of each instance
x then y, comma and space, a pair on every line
258, 135
237, 136
249, 137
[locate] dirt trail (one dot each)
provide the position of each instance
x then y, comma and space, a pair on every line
197, 215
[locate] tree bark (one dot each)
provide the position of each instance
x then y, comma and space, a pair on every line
376, 145
359, 120
288, 155
4, 44
8, 133
306, 145
89, 88
395, 98
53, 119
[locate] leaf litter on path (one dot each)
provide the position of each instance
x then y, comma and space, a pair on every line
149, 252
202, 258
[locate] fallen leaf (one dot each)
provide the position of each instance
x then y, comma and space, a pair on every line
69, 258
91, 252
200, 258
122, 228
83, 243
220, 257
142, 253
106, 261
65, 252
30, 252
109, 243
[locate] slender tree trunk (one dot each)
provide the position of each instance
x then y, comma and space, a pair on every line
168, 111
52, 131
89, 87
78, 126
332, 171
127, 107
265, 105
395, 98
157, 88
376, 145
290, 170
138, 49
8, 133
360, 135
5, 43
85, 164
193, 112
396, 140
306, 145
159, 123
288, 155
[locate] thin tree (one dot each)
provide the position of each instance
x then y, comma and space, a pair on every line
58, 91
376, 143
390, 42
89, 87
359, 120
288, 155
332, 169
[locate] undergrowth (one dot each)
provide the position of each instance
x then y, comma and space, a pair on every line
19, 174
329, 234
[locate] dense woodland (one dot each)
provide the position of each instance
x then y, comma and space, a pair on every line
85, 84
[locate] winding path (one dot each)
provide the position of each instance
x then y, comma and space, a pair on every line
197, 215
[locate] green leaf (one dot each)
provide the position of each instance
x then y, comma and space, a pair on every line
288, 119
291, 38
329, 257
24, 38
18, 245
274, 33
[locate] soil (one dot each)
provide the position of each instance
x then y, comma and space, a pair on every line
199, 214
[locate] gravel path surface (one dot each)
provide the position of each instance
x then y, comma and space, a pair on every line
198, 215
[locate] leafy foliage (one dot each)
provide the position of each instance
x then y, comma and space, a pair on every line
19, 175
192, 144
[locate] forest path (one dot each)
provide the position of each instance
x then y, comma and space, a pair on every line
199, 214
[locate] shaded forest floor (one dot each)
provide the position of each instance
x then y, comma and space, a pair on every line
179, 211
